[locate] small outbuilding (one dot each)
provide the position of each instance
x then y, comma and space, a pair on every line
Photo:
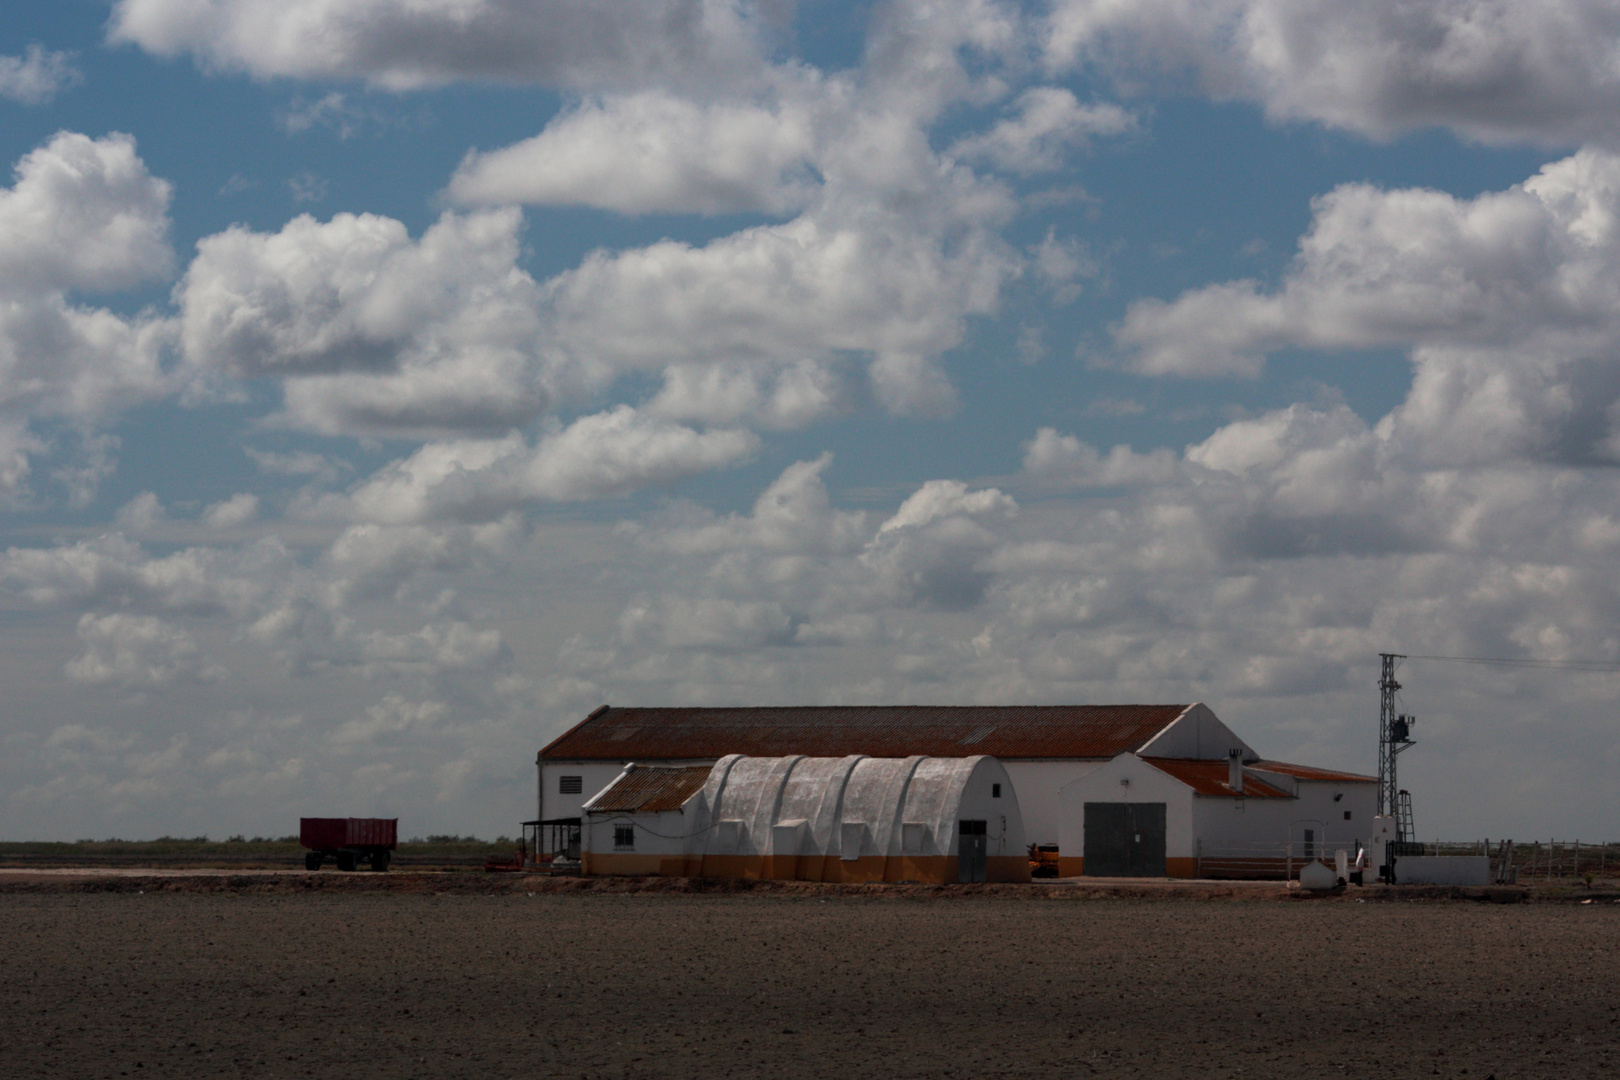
1143, 816
849, 819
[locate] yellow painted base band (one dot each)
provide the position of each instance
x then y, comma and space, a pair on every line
1006, 868
620, 862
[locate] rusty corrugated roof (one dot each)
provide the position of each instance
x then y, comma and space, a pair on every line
1306, 772
1003, 731
1209, 778
650, 789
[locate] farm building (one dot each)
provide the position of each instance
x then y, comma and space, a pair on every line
1175, 817
1044, 750
1042, 747
847, 819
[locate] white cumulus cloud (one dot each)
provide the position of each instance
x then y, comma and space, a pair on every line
233, 512
1050, 123
596, 456
1509, 302
426, 42
1054, 456
651, 152
894, 247
137, 652
394, 715
947, 498
371, 331
38, 75
83, 215
775, 295
1541, 72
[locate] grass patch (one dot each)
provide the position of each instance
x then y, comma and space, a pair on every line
235, 848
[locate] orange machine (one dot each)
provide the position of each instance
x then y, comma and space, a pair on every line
1043, 860
495, 864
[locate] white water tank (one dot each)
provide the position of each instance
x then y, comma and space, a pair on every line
1317, 877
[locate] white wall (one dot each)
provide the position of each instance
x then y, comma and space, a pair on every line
665, 833
1227, 826
1003, 815
1147, 785
595, 775
1197, 733
1316, 802
1247, 826
1039, 784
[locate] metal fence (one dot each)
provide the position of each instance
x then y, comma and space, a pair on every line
1538, 860
1264, 859
1511, 860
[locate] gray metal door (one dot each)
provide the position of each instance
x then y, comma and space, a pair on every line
1124, 840
1145, 839
972, 845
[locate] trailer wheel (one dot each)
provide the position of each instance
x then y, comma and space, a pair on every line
312, 860
345, 861
379, 861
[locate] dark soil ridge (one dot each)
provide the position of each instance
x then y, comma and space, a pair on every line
461, 883
211, 861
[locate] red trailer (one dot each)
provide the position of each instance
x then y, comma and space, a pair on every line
348, 841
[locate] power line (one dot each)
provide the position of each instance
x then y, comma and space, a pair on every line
1505, 662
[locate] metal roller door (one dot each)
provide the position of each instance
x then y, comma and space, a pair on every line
1124, 839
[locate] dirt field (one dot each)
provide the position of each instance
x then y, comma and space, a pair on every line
403, 982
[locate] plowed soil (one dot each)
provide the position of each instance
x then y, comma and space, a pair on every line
412, 982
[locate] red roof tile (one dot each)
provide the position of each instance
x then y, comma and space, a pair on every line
1003, 731
1209, 778
1306, 772
650, 789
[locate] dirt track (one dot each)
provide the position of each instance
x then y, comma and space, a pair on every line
401, 982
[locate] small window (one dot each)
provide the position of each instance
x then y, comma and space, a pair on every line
1347, 815
1310, 843
624, 838
995, 791
570, 785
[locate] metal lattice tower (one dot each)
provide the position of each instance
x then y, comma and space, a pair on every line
1394, 735
1404, 829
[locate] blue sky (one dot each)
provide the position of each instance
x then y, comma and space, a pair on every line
382, 388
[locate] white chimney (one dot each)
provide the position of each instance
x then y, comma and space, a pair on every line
1234, 770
